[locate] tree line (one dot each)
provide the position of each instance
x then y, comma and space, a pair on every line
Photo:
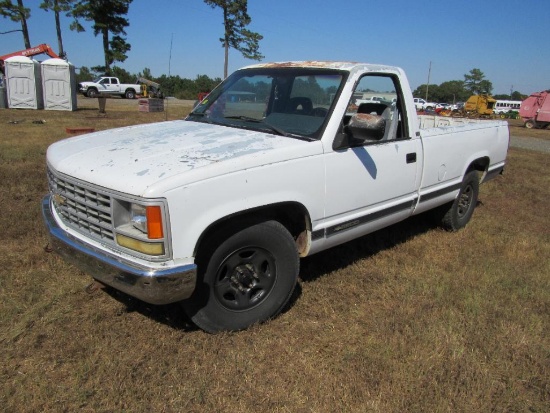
453, 91
108, 20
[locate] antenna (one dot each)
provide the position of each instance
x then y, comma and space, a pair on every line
169, 74
428, 84
170, 57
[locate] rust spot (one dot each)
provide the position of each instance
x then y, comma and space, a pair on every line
309, 63
302, 243
366, 120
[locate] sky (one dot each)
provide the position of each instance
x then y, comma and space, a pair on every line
432, 41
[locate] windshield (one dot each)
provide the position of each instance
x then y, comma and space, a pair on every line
292, 102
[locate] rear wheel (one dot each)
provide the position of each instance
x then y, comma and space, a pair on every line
248, 278
458, 213
530, 124
130, 94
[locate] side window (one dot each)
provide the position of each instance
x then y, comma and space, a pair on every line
378, 97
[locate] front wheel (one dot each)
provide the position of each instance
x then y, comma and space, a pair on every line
459, 212
92, 93
248, 279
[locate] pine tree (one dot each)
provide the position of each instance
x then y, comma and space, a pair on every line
109, 21
17, 13
58, 6
236, 35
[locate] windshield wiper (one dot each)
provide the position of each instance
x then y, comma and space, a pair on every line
279, 131
273, 128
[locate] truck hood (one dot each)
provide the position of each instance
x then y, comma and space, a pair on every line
87, 83
148, 160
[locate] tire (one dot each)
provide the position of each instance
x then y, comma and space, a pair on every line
92, 93
530, 124
248, 278
130, 94
459, 212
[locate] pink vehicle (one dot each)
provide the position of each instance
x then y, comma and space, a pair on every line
535, 110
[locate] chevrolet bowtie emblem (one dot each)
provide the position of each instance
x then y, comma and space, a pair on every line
59, 199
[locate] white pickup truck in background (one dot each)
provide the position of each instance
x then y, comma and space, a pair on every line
421, 104
277, 163
104, 86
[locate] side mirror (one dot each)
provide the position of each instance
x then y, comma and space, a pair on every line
366, 127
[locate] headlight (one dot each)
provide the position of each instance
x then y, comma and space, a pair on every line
141, 227
147, 219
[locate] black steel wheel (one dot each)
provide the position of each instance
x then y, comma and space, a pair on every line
247, 279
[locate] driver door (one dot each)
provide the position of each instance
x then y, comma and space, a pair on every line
372, 183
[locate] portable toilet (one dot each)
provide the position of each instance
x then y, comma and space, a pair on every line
59, 84
24, 83
3, 96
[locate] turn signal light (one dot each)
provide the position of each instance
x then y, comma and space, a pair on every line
154, 222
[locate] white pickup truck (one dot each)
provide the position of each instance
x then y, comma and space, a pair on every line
277, 163
104, 86
421, 104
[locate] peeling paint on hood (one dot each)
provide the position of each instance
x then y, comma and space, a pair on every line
134, 158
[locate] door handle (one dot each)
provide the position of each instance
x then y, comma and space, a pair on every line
411, 157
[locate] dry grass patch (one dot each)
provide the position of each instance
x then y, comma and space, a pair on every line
518, 129
408, 319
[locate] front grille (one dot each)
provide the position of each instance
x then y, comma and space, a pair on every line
83, 206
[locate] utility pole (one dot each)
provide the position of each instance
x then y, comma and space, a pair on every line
428, 84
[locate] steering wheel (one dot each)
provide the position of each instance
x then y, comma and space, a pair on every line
319, 112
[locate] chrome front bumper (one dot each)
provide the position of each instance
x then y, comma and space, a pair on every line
150, 284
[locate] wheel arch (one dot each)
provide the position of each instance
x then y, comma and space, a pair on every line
292, 215
129, 90
481, 165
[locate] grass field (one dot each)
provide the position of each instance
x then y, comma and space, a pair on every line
409, 319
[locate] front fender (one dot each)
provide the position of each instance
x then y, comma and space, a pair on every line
193, 209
